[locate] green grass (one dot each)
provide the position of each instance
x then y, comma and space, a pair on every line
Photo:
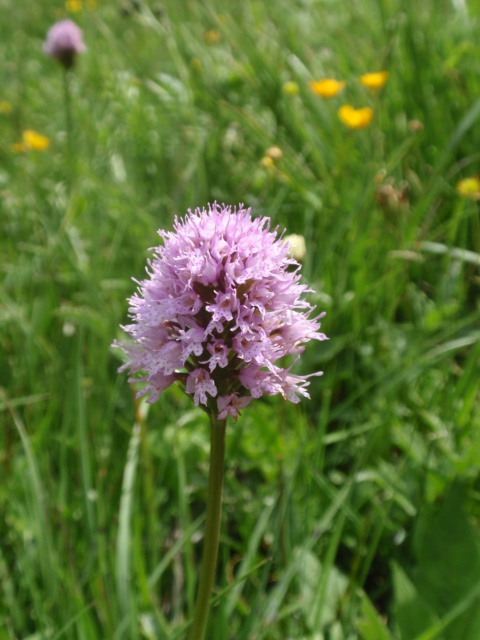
355, 515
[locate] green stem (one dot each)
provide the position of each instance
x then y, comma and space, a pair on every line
68, 123
212, 529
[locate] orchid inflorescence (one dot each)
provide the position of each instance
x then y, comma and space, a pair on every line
221, 306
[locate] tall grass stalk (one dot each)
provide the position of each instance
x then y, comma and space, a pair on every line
124, 577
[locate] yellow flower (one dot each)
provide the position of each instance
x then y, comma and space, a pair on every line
290, 88
34, 140
374, 80
355, 118
5, 107
271, 155
212, 36
327, 87
469, 187
73, 5
275, 153
297, 248
31, 140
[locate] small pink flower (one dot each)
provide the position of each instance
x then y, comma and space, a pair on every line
231, 405
219, 354
200, 383
64, 41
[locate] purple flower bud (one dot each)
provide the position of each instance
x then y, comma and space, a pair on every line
64, 41
221, 305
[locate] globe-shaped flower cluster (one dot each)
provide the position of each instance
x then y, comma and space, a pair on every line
64, 41
221, 306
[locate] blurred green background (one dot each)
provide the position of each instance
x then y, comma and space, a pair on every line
355, 515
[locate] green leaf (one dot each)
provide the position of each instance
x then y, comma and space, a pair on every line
448, 551
412, 614
447, 589
370, 625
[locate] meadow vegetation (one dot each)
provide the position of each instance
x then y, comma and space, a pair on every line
351, 516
